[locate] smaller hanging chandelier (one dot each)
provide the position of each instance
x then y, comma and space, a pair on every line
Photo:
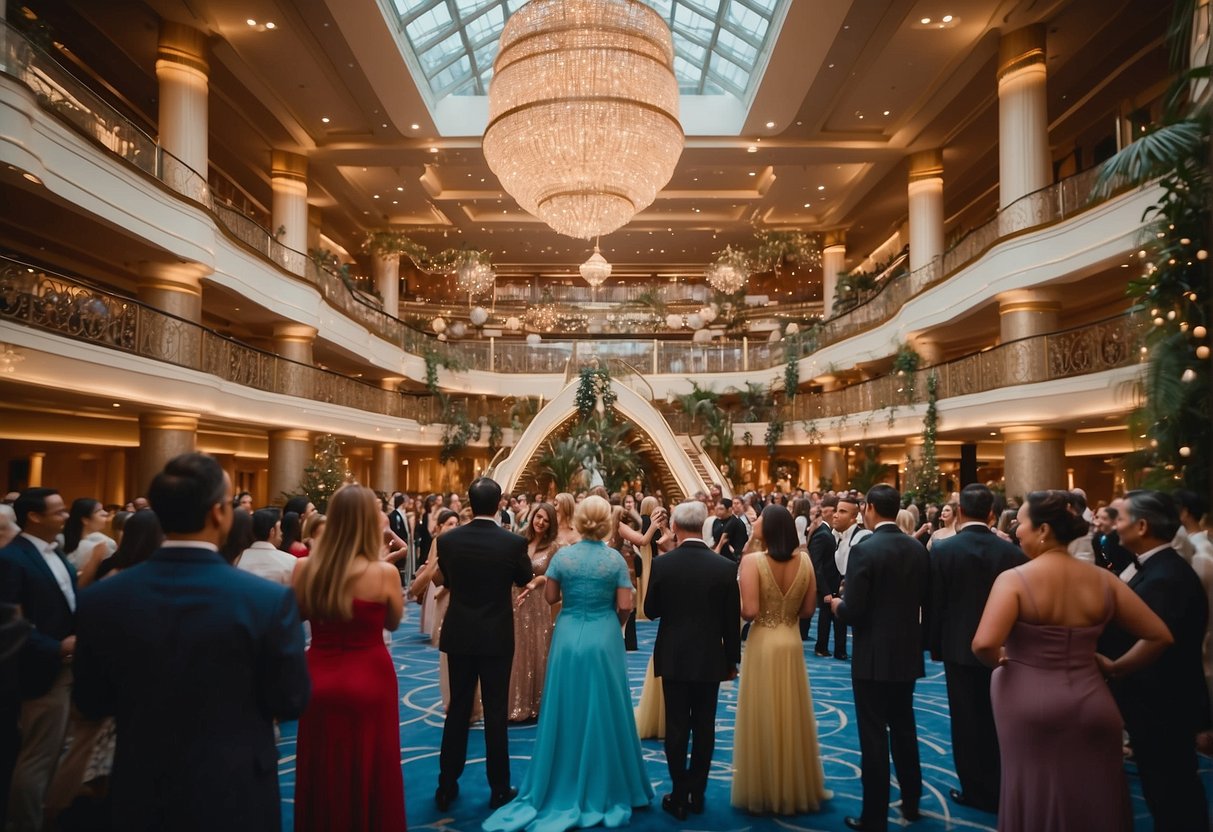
596, 270
474, 276
730, 271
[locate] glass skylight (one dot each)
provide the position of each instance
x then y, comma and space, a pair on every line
718, 44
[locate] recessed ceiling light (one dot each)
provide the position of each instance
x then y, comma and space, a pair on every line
886, 112
926, 21
821, 187
770, 124
415, 126
394, 202
117, 405
808, 205
376, 196
271, 25
831, 66
400, 187
752, 149
325, 120
753, 173
433, 150
251, 22
947, 18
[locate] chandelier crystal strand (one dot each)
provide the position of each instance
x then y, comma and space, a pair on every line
474, 277
595, 271
583, 112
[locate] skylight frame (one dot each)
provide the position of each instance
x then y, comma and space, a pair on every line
697, 76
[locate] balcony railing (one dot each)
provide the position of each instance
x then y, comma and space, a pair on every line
72, 308
60, 92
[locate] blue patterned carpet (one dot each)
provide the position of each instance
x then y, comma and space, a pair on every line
421, 735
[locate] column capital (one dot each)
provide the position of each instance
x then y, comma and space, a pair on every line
173, 277
1019, 49
834, 239
926, 164
290, 435
184, 46
1028, 300
391, 383
300, 333
287, 165
1030, 433
168, 420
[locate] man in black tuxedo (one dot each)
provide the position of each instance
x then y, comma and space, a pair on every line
733, 536
1166, 704
693, 591
195, 660
822, 545
36, 576
396, 519
963, 569
885, 591
478, 563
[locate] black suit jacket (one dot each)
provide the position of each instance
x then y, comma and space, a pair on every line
1169, 694
693, 591
479, 564
26, 579
886, 589
963, 569
822, 546
195, 660
398, 524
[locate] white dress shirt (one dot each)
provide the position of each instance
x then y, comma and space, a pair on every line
1132, 568
846, 540
265, 560
57, 566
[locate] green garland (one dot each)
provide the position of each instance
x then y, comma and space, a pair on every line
594, 382
906, 364
386, 243
773, 435
923, 475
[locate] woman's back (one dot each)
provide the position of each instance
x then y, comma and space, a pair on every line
1062, 592
589, 575
782, 586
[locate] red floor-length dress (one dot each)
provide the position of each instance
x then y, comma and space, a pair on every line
348, 765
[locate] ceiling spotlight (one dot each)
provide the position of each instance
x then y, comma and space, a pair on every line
886, 112
947, 18
753, 173
251, 22
433, 150
926, 21
808, 205
752, 149
400, 187
770, 124
325, 120
821, 187
271, 25
414, 126
376, 196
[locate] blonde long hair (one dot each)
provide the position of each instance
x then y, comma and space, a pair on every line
354, 530
566, 507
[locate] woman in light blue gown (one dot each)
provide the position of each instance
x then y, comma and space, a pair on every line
586, 766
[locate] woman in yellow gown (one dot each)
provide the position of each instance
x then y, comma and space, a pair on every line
776, 760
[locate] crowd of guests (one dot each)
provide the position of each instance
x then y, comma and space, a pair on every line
143, 676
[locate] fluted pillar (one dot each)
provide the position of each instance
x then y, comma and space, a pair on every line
1034, 459
1024, 161
385, 467
290, 453
386, 269
162, 436
833, 263
182, 71
925, 191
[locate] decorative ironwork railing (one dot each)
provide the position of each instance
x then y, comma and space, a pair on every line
57, 90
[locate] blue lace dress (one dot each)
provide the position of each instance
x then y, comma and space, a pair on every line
586, 767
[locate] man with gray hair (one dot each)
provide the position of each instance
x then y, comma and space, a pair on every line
693, 592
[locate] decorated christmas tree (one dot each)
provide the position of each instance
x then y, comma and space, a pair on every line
326, 474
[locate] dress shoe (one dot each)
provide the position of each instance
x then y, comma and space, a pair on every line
695, 804
911, 814
445, 796
823, 653
674, 807
502, 797
960, 798
843, 658
855, 823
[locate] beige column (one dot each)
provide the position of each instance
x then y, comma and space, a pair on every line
832, 465
929, 351
290, 453
386, 270
162, 436
288, 181
175, 288
294, 341
385, 467
1024, 162
391, 383
1027, 312
115, 476
36, 461
1035, 459
182, 71
925, 190
833, 263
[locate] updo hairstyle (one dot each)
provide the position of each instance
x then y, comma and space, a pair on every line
1060, 510
592, 518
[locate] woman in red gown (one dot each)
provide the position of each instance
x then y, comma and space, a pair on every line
348, 762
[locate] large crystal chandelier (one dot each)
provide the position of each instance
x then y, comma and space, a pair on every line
596, 270
474, 277
583, 112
